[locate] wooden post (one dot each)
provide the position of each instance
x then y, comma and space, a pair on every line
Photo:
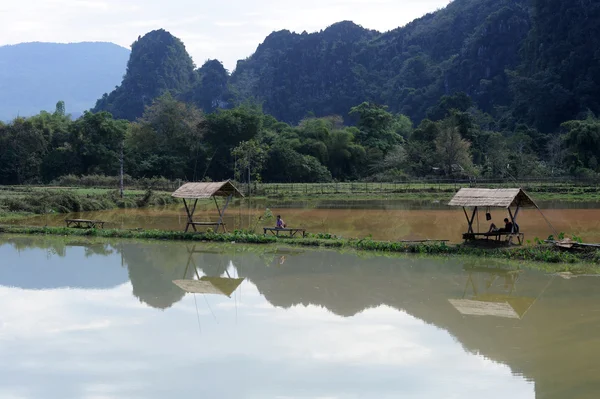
470, 221
222, 214
187, 211
121, 176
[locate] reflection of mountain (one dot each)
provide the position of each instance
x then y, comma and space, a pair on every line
152, 269
56, 263
556, 343
543, 327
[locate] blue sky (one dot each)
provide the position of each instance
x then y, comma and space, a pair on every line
226, 30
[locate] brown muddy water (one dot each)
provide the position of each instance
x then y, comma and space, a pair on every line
107, 319
381, 219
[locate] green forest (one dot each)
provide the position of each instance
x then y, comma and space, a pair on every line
481, 88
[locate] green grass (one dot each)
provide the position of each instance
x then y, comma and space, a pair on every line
587, 261
17, 202
420, 190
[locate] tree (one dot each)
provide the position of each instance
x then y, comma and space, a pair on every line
167, 141
60, 109
97, 140
453, 151
23, 149
250, 159
583, 143
224, 130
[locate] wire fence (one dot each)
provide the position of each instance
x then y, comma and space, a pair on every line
551, 184
557, 185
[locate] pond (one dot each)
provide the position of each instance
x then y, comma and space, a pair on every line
97, 319
382, 219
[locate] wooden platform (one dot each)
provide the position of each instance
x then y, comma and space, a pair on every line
215, 224
497, 236
292, 232
85, 223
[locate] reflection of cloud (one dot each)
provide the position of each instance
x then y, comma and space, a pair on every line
104, 343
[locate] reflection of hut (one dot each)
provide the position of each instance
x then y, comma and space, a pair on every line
195, 191
207, 285
210, 285
493, 304
507, 198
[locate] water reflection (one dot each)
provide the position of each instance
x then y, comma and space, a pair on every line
286, 323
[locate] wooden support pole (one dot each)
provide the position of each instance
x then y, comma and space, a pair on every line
473, 219
222, 214
467, 216
187, 211
192, 215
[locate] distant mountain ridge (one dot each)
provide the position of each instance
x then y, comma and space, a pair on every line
35, 76
465, 47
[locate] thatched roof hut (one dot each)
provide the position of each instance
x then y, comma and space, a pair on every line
497, 198
196, 191
207, 190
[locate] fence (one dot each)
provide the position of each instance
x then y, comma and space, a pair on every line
551, 184
557, 185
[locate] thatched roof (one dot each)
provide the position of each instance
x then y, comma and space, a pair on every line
210, 285
498, 198
207, 190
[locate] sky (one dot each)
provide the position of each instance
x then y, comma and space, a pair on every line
225, 30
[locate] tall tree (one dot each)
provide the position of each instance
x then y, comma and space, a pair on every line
452, 150
167, 141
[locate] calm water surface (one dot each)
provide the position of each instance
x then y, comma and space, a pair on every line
382, 219
85, 319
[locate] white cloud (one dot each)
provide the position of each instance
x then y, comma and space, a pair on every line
209, 30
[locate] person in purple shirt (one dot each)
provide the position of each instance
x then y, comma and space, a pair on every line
280, 223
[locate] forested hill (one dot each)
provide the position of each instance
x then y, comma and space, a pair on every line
34, 76
465, 47
534, 62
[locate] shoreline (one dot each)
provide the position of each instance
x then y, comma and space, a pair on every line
578, 262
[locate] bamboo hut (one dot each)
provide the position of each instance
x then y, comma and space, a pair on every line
192, 192
507, 198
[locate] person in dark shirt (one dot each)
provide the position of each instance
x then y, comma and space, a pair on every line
280, 223
508, 227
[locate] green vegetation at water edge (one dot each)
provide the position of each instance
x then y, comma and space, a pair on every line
18, 202
575, 261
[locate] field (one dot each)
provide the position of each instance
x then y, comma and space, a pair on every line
18, 201
569, 189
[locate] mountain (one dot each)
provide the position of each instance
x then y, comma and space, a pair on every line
35, 76
159, 62
464, 47
527, 62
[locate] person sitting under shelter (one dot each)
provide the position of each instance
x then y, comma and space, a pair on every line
508, 227
280, 223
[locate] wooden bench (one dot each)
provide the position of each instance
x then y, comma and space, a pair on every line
508, 237
84, 223
216, 224
275, 231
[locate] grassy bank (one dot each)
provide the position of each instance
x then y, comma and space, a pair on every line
587, 261
16, 202
423, 190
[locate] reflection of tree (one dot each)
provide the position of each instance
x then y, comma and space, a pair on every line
71, 270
